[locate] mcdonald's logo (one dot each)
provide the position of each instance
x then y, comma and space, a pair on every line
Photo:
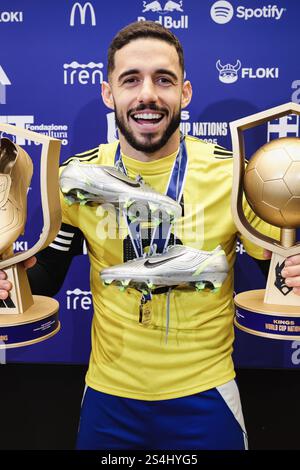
82, 9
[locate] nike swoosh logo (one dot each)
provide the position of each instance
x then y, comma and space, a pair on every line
133, 184
153, 264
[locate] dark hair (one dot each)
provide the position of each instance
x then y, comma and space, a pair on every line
142, 29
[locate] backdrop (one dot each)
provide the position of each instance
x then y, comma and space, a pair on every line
52, 62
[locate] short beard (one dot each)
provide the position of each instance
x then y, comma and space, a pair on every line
148, 147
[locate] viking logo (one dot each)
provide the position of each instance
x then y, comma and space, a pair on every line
7, 303
280, 280
82, 12
228, 73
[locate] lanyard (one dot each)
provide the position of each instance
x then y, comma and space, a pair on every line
161, 233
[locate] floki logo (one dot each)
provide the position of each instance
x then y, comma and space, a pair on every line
164, 19
11, 17
228, 73
20, 246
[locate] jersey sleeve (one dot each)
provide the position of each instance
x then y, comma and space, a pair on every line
47, 276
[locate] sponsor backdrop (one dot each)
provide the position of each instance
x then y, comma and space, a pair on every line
241, 59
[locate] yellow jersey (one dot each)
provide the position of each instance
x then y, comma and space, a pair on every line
134, 360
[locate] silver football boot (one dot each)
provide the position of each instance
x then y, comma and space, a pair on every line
83, 183
179, 266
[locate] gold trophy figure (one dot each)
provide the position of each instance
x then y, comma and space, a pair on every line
271, 184
26, 319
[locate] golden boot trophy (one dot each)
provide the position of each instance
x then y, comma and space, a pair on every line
26, 319
271, 185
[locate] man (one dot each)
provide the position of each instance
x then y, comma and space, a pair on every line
144, 392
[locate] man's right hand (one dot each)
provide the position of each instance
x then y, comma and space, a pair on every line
5, 285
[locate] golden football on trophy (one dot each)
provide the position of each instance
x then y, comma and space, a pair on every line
272, 182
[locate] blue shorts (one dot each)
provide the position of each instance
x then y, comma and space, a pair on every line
208, 420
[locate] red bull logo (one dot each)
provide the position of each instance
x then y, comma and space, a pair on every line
163, 10
156, 7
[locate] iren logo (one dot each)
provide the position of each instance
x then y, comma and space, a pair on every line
83, 74
78, 299
82, 9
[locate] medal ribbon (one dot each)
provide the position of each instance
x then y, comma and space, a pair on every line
174, 190
162, 232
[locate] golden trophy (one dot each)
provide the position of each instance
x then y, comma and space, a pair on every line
26, 319
271, 185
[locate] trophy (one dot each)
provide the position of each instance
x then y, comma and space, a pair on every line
271, 185
26, 319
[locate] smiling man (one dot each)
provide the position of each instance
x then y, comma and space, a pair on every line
147, 92
160, 374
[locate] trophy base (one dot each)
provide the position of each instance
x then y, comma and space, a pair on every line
38, 323
267, 320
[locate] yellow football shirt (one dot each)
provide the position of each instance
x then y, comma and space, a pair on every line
134, 360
